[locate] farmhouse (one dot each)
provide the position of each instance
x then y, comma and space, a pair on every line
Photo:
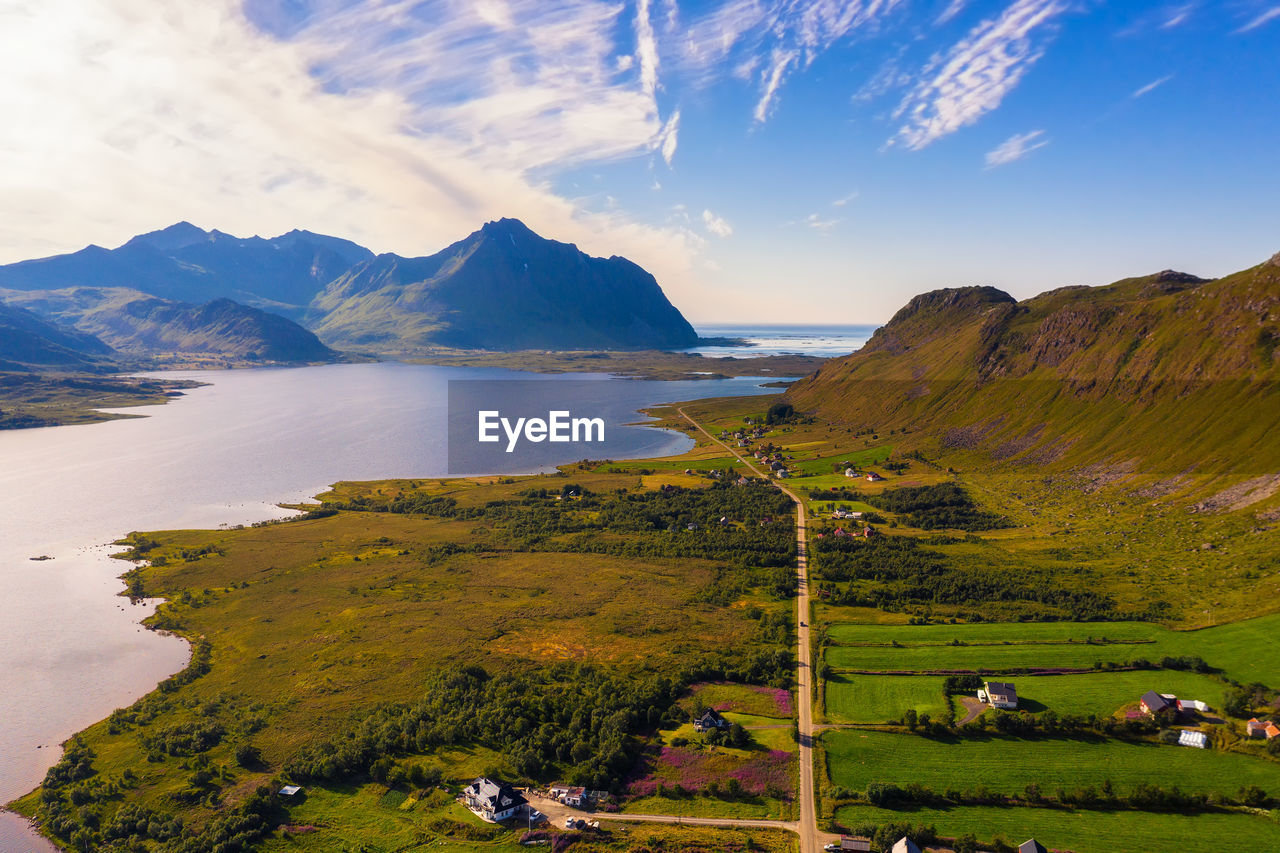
1153, 702
709, 720
1255, 728
558, 790
1200, 740
1272, 731
905, 845
493, 801
873, 477
576, 797
849, 472
1031, 846
1000, 694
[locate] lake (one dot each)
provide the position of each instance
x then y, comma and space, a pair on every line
71, 649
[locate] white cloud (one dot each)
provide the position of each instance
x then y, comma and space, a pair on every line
817, 223
1152, 86
1264, 18
843, 200
765, 40
715, 225
955, 8
778, 64
401, 125
1178, 16
646, 49
974, 77
667, 139
1015, 148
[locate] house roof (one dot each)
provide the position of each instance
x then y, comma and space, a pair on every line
1271, 730
1000, 691
1031, 846
905, 845
1154, 701
498, 796
855, 843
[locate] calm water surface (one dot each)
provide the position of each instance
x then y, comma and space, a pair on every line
71, 650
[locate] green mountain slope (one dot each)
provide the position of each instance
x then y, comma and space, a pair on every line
1166, 375
137, 324
503, 287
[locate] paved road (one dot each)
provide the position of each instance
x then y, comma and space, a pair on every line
811, 839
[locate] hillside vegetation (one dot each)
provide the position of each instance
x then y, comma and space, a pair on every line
1161, 378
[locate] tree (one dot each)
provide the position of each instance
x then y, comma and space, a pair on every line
248, 755
780, 413
909, 719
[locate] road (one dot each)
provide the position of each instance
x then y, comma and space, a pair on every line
811, 839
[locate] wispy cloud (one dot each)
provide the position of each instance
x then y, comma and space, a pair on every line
843, 200
1177, 16
1015, 148
778, 64
955, 8
817, 223
764, 41
1152, 86
1262, 19
716, 225
974, 77
667, 139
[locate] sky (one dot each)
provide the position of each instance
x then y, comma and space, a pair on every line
768, 160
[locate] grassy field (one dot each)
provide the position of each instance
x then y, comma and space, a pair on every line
991, 658
882, 698
1105, 693
742, 699
1246, 651
1087, 831
1008, 765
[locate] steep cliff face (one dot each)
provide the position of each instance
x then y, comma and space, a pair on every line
503, 287
1169, 368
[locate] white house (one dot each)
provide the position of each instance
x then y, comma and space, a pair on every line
1000, 694
905, 845
493, 801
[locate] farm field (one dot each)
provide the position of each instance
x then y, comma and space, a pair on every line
1087, 831
1007, 765
881, 698
1105, 692
991, 658
1246, 651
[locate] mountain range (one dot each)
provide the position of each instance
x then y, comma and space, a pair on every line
503, 287
1168, 374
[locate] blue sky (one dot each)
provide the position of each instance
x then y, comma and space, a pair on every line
778, 161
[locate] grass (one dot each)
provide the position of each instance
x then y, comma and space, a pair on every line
1087, 831
1105, 693
743, 699
1008, 765
1245, 651
992, 658
882, 698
